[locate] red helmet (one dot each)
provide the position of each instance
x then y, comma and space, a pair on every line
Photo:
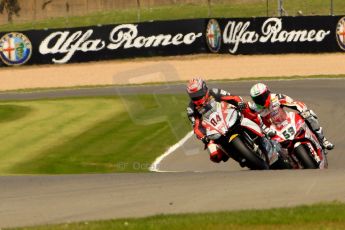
197, 91
261, 95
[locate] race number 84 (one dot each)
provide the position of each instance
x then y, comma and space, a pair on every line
214, 122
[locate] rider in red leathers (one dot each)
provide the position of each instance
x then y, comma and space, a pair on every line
200, 95
268, 104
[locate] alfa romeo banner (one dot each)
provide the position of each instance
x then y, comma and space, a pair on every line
312, 34
59, 46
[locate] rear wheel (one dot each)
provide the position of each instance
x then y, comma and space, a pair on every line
252, 161
304, 157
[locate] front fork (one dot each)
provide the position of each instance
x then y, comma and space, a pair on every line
271, 150
233, 154
250, 142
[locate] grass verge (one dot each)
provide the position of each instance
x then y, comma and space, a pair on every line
91, 135
238, 8
318, 216
178, 11
12, 112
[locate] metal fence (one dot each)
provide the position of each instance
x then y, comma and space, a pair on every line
142, 10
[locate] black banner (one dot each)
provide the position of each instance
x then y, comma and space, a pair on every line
310, 34
314, 34
59, 46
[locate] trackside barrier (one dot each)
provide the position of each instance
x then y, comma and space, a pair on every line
70, 45
308, 34
313, 34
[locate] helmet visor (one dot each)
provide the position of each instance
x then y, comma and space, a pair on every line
198, 95
261, 99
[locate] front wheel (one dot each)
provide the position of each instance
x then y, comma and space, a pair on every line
252, 161
304, 158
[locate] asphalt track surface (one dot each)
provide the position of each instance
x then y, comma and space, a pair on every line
197, 186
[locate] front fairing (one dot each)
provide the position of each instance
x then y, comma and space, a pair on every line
218, 118
293, 132
285, 126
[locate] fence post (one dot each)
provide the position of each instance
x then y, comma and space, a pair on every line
280, 8
138, 10
209, 7
35, 11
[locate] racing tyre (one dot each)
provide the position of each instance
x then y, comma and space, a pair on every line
304, 157
252, 160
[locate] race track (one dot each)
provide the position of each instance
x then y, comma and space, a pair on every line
199, 185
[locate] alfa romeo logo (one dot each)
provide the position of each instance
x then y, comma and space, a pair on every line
15, 49
340, 33
213, 36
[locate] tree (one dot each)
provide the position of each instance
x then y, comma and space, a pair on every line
12, 7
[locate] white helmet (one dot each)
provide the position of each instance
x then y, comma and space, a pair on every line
261, 95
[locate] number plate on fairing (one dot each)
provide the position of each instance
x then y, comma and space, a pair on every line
288, 132
219, 119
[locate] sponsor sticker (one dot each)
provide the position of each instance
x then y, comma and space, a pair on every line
340, 33
213, 36
15, 49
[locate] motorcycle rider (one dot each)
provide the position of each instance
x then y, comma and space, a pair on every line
267, 104
200, 95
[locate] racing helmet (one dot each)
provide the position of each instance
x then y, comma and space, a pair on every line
197, 91
261, 95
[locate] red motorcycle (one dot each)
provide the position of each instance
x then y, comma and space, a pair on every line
238, 136
302, 146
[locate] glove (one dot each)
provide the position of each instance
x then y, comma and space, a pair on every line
305, 114
241, 106
308, 113
268, 131
205, 140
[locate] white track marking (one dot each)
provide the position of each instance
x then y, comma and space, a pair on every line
154, 166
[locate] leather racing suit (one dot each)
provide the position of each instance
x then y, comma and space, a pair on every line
278, 101
194, 115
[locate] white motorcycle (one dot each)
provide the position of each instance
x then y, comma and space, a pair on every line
238, 137
298, 140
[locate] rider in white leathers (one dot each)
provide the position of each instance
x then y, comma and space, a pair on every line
267, 104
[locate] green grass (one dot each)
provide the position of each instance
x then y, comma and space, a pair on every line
314, 7
237, 8
91, 135
318, 216
12, 112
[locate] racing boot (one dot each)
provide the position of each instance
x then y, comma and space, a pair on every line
216, 154
326, 144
